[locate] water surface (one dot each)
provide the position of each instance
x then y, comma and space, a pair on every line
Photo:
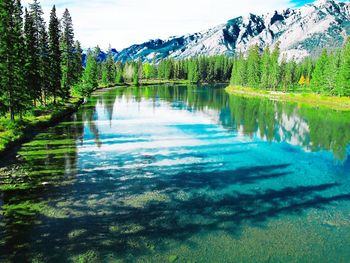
185, 174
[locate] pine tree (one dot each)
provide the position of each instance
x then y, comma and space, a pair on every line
3, 50
253, 66
32, 67
22, 99
135, 76
89, 78
119, 73
265, 69
97, 53
193, 71
110, 68
289, 74
308, 69
331, 71
242, 71
44, 64
40, 47
104, 79
343, 78
318, 81
275, 67
54, 73
7, 56
12, 97
67, 54
78, 62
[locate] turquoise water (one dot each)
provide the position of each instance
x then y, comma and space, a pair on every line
181, 174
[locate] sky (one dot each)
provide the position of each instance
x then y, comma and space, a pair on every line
121, 23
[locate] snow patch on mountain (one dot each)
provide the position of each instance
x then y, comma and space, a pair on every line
301, 32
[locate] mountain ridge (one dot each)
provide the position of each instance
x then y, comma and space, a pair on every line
301, 32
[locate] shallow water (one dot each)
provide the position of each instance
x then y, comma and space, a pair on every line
185, 174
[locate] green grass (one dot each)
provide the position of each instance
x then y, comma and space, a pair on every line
14, 131
303, 97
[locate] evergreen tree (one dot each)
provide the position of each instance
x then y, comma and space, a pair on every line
266, 69
78, 62
193, 71
7, 56
318, 81
331, 71
97, 53
104, 80
136, 73
241, 70
12, 97
275, 67
253, 66
22, 99
67, 54
32, 67
54, 73
44, 64
40, 48
343, 78
110, 68
89, 78
308, 67
119, 73
289, 74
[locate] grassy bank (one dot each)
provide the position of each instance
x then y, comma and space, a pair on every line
14, 132
309, 99
147, 82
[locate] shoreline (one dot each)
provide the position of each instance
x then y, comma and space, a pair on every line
29, 128
308, 99
12, 138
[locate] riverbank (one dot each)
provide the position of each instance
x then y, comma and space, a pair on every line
308, 99
13, 133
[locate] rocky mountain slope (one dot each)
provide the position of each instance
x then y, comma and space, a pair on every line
301, 32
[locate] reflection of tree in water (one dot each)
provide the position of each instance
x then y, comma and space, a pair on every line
136, 213
320, 129
88, 116
313, 129
108, 102
329, 130
105, 101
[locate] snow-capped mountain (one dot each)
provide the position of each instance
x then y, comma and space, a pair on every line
301, 32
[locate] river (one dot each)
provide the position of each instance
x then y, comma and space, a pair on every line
181, 174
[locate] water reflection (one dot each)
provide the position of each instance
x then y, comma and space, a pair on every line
312, 129
182, 173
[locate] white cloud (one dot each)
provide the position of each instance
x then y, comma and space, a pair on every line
125, 22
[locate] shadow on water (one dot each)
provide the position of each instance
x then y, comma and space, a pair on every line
132, 215
61, 209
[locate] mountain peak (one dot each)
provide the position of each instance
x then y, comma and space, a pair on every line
301, 32
322, 2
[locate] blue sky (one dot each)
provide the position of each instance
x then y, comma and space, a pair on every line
301, 2
125, 22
